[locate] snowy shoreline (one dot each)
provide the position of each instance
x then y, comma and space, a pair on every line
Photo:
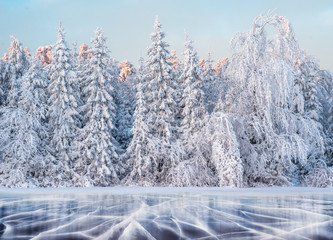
171, 190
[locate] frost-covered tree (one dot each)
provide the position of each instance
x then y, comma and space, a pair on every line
309, 103
193, 113
23, 126
319, 177
125, 104
307, 68
137, 156
160, 117
68, 122
6, 71
211, 87
75, 55
263, 95
63, 115
125, 111
193, 110
225, 158
177, 67
97, 163
17, 65
18, 57
324, 80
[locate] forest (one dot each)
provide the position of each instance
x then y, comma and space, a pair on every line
79, 118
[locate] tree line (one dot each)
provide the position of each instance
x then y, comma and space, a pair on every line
262, 117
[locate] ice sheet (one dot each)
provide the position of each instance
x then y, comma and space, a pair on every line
166, 213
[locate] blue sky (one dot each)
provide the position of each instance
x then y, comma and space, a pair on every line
128, 23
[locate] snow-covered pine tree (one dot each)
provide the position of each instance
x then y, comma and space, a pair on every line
136, 158
17, 65
125, 113
2, 88
307, 71
325, 82
98, 162
192, 167
176, 72
6, 71
114, 70
75, 55
307, 68
44, 169
27, 161
18, 57
177, 68
211, 87
160, 117
81, 68
63, 115
193, 110
126, 105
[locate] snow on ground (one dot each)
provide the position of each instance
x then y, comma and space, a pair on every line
168, 190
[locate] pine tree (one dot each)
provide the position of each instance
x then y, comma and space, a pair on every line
193, 97
211, 87
125, 104
325, 81
25, 133
6, 71
125, 111
307, 68
98, 163
63, 115
75, 55
18, 57
191, 168
160, 118
17, 65
137, 156
177, 68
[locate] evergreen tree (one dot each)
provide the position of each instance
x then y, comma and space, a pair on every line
17, 65
270, 118
125, 104
177, 68
125, 111
75, 55
193, 96
160, 118
18, 57
137, 157
25, 133
63, 103
191, 168
325, 82
211, 87
98, 161
6, 71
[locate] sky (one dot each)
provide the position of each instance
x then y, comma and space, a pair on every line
127, 24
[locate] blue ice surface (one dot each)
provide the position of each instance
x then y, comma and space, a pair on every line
166, 213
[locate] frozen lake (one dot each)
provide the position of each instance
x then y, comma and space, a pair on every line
166, 213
